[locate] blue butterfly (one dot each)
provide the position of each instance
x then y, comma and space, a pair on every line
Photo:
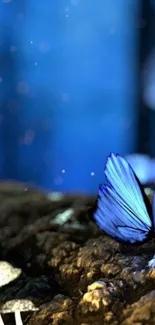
143, 166
123, 210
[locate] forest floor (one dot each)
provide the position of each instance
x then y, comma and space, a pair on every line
71, 271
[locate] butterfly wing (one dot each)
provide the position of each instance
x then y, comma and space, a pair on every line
121, 210
141, 164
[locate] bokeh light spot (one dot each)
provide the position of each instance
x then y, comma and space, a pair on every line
44, 47
13, 48
65, 97
58, 181
23, 88
29, 137
6, 1
74, 2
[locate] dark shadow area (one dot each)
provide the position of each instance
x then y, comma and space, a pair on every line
146, 46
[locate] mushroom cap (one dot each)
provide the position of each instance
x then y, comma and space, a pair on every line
20, 305
8, 273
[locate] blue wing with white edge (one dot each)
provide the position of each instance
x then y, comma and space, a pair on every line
122, 209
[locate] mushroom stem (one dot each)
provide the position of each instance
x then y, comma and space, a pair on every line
1, 320
18, 319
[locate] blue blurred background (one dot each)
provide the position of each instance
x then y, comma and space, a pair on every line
72, 88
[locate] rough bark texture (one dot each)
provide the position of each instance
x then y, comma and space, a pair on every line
71, 271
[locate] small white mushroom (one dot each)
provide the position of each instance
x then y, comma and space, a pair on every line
17, 306
63, 217
151, 263
55, 196
1, 321
8, 273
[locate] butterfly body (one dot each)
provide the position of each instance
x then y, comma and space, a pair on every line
123, 210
